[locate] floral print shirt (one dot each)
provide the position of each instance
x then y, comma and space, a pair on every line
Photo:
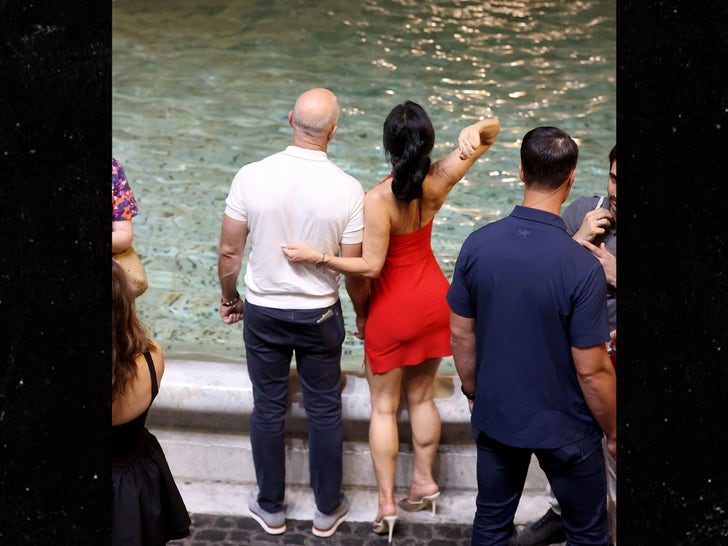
123, 204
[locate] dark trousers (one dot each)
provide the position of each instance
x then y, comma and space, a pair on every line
577, 476
271, 338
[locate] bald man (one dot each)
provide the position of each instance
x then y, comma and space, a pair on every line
294, 195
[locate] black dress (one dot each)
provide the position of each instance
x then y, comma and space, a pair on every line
148, 508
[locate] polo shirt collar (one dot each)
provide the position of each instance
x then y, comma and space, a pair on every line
541, 216
306, 153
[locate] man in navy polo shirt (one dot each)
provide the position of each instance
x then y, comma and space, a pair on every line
528, 333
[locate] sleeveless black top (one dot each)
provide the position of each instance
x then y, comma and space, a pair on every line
128, 438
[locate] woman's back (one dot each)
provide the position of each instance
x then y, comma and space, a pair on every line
406, 217
129, 411
137, 397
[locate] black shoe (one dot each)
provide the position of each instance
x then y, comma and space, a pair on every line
547, 530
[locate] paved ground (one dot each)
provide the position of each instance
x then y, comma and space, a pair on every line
220, 517
209, 530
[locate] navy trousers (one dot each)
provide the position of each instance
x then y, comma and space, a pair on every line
272, 336
577, 476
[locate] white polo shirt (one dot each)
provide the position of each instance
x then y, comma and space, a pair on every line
294, 196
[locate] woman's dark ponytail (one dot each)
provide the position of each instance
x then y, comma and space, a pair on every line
408, 140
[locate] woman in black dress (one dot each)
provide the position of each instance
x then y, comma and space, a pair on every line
148, 509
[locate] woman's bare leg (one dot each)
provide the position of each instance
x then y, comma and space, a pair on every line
385, 392
419, 390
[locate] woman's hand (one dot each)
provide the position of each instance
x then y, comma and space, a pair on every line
468, 141
478, 134
302, 253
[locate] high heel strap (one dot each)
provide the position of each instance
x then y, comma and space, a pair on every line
379, 527
428, 501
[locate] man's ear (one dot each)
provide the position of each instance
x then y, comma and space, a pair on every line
572, 177
569, 182
520, 172
290, 118
332, 132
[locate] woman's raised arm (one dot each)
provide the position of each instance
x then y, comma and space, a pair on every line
473, 141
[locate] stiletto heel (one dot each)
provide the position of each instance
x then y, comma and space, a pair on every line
391, 520
428, 501
433, 502
384, 525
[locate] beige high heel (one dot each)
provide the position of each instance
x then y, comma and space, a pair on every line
428, 501
384, 525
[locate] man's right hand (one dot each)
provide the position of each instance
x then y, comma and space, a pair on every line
606, 258
360, 325
596, 222
232, 314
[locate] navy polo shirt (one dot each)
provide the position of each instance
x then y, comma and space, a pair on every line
534, 294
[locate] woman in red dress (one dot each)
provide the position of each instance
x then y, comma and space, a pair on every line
407, 327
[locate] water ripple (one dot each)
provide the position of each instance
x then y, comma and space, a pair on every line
201, 88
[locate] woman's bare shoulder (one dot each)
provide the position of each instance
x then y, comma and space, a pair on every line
381, 190
379, 198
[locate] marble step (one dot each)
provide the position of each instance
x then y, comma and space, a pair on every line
219, 396
454, 505
215, 472
201, 417
206, 456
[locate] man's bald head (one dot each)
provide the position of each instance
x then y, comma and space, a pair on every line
315, 114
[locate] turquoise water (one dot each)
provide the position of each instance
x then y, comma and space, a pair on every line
202, 87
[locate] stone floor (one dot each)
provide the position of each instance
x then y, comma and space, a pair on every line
219, 517
209, 530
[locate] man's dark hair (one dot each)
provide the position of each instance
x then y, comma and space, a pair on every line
612, 156
548, 155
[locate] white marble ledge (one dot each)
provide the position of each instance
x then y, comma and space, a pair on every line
224, 388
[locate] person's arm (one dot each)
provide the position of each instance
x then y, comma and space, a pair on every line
122, 234
462, 344
233, 236
597, 380
606, 258
374, 248
358, 290
473, 142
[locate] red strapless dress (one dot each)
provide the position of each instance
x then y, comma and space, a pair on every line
409, 318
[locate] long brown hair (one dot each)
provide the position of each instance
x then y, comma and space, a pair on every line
129, 336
